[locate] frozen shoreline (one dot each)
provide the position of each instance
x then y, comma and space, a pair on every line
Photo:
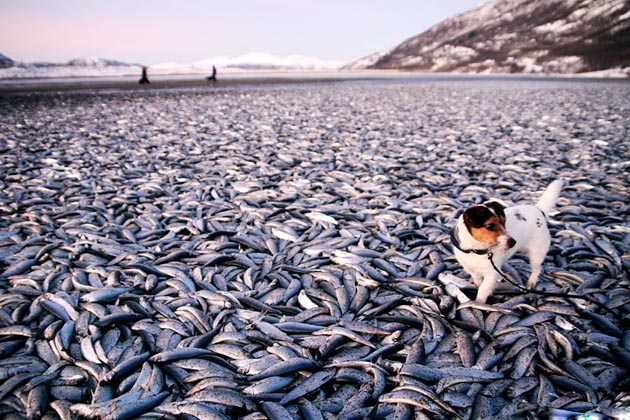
188, 81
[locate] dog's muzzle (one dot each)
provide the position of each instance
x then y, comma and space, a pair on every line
506, 242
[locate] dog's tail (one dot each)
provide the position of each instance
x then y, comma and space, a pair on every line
547, 201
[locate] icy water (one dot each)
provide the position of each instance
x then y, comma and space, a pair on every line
282, 249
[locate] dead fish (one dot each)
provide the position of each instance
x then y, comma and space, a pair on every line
165, 255
17, 268
226, 397
433, 375
104, 295
275, 411
284, 368
337, 330
311, 383
268, 385
198, 410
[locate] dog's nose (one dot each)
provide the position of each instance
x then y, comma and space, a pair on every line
511, 242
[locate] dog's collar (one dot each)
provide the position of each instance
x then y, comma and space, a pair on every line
456, 244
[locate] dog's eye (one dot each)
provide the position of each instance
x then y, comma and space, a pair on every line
491, 227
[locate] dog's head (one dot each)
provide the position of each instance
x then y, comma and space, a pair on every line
486, 223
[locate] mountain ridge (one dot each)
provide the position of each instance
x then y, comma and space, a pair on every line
518, 36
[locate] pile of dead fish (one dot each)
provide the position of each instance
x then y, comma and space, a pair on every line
284, 253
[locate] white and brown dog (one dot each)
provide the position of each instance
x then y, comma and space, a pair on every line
492, 231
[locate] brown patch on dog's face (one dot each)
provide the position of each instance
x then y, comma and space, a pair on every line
486, 223
498, 210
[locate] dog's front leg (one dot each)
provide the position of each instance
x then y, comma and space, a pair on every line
476, 278
533, 278
486, 288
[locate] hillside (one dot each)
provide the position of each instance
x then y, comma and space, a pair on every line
514, 36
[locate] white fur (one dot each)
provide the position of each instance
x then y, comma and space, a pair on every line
524, 223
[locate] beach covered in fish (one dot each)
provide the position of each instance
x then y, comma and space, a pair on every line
283, 251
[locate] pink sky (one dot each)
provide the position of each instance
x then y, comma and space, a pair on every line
158, 31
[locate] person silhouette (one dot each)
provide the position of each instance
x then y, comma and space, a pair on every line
144, 79
213, 76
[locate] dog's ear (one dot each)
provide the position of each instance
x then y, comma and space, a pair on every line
497, 207
476, 216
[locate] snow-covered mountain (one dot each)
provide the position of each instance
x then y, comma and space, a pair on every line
91, 66
5, 61
95, 62
78, 67
514, 36
367, 61
252, 61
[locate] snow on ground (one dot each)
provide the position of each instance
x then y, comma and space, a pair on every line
449, 55
38, 71
90, 66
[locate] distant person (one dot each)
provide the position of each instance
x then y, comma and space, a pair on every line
144, 79
213, 76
